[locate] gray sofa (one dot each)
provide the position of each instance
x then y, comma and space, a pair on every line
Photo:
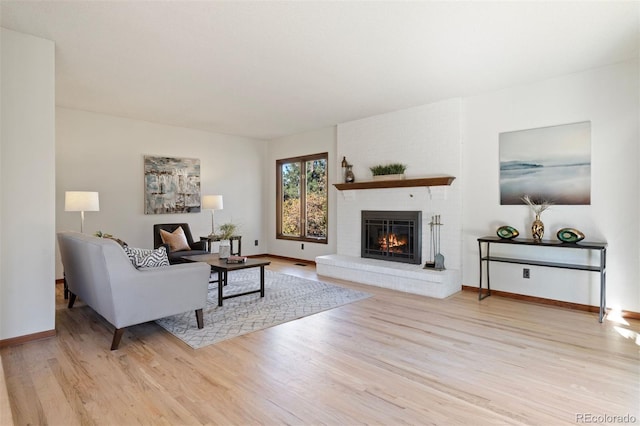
98, 271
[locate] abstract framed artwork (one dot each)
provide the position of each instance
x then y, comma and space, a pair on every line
548, 163
171, 185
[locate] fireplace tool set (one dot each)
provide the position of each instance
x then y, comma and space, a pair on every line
436, 262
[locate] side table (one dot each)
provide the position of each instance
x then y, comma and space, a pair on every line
237, 238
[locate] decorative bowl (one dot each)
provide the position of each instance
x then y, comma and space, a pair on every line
570, 235
507, 232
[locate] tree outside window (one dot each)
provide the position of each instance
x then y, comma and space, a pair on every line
302, 198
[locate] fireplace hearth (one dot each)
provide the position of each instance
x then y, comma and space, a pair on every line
392, 235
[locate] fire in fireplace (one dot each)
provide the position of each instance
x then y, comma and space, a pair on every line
392, 235
393, 242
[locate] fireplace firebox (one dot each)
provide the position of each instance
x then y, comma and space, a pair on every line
392, 235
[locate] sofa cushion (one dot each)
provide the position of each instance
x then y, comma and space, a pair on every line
147, 258
177, 240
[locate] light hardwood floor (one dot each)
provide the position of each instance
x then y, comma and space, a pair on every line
392, 359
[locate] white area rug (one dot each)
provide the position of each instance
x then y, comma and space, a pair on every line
286, 298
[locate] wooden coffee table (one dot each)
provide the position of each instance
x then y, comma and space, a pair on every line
222, 268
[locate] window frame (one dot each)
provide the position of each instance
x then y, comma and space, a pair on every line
302, 160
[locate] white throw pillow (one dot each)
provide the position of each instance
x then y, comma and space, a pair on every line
147, 258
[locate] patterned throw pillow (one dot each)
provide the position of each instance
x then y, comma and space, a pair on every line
147, 258
177, 240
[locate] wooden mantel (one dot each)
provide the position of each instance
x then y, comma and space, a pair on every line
399, 183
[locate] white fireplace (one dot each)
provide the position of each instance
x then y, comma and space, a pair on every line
427, 139
348, 263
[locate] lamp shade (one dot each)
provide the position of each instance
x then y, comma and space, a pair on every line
81, 201
212, 202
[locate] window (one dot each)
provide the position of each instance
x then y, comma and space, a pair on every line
302, 198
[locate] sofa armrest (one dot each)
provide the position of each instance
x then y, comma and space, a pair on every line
199, 245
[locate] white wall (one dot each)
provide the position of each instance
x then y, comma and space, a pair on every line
427, 140
313, 142
27, 191
608, 97
97, 152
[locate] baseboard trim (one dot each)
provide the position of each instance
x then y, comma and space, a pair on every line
523, 297
27, 338
551, 302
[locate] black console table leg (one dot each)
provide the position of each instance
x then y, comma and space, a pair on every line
603, 283
480, 295
480, 279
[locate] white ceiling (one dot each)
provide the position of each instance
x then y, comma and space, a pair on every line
268, 69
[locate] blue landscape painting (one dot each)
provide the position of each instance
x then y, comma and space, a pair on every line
550, 164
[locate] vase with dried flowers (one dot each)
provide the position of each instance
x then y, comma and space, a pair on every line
537, 207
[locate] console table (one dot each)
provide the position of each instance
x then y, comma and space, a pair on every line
582, 245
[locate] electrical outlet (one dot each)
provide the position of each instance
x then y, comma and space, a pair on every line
255, 242
302, 246
526, 273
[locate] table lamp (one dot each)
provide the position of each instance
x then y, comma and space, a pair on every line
81, 201
213, 203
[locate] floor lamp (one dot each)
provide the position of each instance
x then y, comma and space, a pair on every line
213, 203
81, 201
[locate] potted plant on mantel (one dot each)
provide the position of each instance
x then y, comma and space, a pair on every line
391, 171
226, 232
